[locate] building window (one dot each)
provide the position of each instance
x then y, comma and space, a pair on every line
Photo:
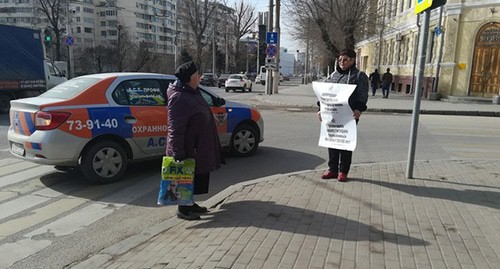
78, 29
88, 30
103, 33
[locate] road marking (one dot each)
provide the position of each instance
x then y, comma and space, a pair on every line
15, 167
64, 216
7, 161
13, 252
18, 205
39, 215
74, 222
25, 174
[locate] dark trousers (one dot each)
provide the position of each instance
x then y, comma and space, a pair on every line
374, 89
339, 160
385, 90
200, 183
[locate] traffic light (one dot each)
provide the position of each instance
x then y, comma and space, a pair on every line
437, 3
47, 38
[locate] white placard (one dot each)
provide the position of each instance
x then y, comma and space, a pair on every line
338, 126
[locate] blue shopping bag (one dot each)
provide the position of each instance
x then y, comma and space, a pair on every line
176, 186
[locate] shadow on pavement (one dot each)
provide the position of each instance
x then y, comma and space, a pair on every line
295, 220
146, 175
477, 197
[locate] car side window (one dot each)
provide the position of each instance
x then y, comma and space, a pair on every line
208, 98
140, 92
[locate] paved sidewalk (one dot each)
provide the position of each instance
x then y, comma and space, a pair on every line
446, 217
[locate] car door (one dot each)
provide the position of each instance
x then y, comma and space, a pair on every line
220, 116
146, 114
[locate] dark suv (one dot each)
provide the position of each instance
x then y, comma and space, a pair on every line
209, 79
222, 79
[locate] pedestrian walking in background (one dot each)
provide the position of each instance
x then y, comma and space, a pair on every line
386, 83
339, 161
374, 81
192, 133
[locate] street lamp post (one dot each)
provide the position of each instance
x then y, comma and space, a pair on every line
248, 53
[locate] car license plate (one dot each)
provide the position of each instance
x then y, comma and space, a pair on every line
17, 149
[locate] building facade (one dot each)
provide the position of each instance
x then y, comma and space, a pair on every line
463, 40
101, 22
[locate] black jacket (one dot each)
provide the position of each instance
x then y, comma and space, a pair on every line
359, 98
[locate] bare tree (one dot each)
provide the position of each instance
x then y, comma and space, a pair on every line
198, 15
243, 20
337, 21
55, 12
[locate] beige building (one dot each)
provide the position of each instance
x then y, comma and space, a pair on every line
466, 47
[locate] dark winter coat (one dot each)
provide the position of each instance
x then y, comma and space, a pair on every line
374, 79
359, 98
386, 79
191, 128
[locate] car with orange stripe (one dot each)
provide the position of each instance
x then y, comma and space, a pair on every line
98, 123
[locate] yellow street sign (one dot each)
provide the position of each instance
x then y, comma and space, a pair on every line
422, 5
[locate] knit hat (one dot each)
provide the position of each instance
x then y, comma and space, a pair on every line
185, 70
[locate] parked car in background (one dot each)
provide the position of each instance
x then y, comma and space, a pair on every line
97, 123
238, 82
209, 79
222, 80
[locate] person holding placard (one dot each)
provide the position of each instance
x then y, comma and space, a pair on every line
346, 72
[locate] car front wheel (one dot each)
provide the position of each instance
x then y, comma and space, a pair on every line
244, 141
104, 162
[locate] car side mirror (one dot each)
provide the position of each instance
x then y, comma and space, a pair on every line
220, 101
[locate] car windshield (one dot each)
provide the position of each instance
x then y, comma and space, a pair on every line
235, 77
70, 88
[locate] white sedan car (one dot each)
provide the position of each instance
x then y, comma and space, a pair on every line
238, 82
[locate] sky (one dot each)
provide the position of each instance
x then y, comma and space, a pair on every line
286, 40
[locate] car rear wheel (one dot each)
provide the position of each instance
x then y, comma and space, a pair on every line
4, 103
104, 162
244, 141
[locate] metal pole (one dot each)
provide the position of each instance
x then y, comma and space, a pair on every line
440, 53
418, 92
277, 29
226, 66
306, 71
269, 77
248, 54
70, 64
415, 55
213, 49
176, 38
257, 69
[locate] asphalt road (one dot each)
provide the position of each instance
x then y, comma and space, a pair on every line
52, 219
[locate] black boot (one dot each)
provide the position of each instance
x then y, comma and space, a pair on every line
198, 209
184, 212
